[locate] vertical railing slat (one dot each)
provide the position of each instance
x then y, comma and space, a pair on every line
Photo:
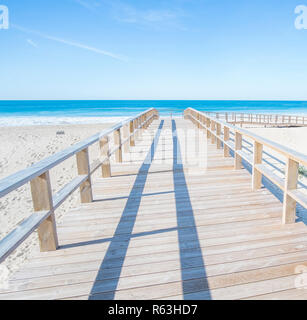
291, 179
42, 200
83, 165
104, 151
118, 144
238, 146
257, 159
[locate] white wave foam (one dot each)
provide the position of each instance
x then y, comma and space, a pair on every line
38, 121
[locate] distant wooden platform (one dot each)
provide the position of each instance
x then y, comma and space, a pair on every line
164, 230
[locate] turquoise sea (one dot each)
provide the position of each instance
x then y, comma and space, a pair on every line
54, 112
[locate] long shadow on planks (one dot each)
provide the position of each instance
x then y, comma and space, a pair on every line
191, 268
108, 276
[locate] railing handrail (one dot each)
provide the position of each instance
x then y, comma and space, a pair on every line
22, 177
43, 199
288, 184
256, 114
292, 154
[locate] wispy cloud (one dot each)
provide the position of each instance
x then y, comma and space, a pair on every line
32, 43
159, 18
153, 16
70, 43
131, 15
92, 5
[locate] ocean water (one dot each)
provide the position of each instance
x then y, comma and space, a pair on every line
16, 113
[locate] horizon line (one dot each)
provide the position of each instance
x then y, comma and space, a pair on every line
296, 100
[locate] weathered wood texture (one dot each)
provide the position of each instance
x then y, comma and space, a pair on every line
171, 228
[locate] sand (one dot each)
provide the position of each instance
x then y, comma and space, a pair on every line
22, 146
294, 138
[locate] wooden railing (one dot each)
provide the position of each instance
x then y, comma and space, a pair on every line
45, 203
261, 119
219, 132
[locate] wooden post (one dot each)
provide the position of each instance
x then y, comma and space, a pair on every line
289, 204
208, 124
42, 201
238, 146
125, 137
198, 118
212, 134
131, 129
118, 143
83, 165
135, 125
257, 159
218, 133
226, 138
147, 122
139, 133
204, 123
104, 151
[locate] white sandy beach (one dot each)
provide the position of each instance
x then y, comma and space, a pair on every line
294, 138
23, 146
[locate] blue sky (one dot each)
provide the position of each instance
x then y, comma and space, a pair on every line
174, 49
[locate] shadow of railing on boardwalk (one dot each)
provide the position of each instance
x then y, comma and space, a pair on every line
192, 267
108, 276
193, 272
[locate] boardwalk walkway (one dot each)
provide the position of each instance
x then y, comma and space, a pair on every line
164, 228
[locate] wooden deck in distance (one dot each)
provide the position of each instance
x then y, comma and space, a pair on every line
162, 230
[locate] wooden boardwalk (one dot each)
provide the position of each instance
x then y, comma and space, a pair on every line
165, 227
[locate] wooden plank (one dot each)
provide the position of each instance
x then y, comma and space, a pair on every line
216, 252
9, 243
246, 156
67, 190
241, 291
290, 294
230, 289
298, 196
271, 175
